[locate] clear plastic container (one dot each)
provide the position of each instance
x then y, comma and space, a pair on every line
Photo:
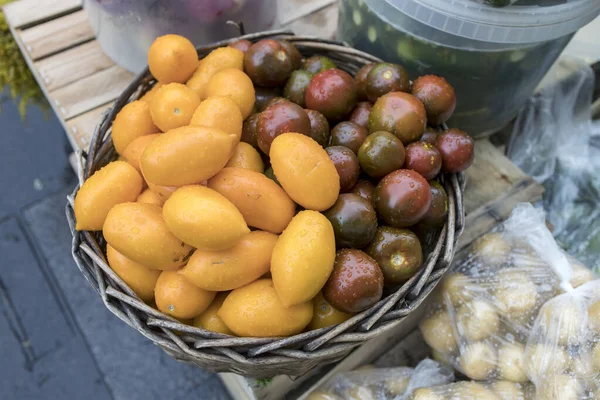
494, 57
127, 28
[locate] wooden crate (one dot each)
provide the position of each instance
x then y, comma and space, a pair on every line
79, 80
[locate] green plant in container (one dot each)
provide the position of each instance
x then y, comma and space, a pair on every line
16, 79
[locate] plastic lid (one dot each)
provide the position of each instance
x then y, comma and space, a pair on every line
511, 24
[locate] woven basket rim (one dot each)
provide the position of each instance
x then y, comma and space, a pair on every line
259, 357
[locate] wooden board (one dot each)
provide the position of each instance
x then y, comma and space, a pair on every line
78, 79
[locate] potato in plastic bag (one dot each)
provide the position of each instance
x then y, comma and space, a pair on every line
470, 390
383, 383
518, 309
485, 310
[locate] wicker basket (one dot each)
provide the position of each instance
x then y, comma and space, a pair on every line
258, 357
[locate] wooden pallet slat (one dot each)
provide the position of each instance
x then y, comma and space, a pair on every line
90, 92
81, 128
27, 12
56, 35
72, 65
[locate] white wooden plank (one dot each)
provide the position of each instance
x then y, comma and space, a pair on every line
72, 65
81, 128
52, 36
26, 12
90, 92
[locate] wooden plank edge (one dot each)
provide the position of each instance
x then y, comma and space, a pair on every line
40, 82
12, 18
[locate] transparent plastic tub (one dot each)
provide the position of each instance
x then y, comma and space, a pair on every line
127, 28
494, 57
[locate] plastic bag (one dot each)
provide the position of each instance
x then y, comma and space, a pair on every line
516, 309
384, 383
469, 390
553, 141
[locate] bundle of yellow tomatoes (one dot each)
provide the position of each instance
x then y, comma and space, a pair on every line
177, 207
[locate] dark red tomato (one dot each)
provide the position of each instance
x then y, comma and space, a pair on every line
353, 219
457, 150
364, 189
268, 63
280, 118
430, 135
438, 97
423, 158
346, 164
385, 78
264, 96
360, 114
249, 131
293, 53
380, 154
399, 113
332, 93
356, 282
316, 64
242, 45
361, 80
348, 134
319, 127
402, 198
437, 213
397, 252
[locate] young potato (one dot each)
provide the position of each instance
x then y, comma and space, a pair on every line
594, 317
596, 356
477, 320
458, 288
563, 321
492, 249
508, 390
560, 387
515, 294
511, 359
322, 396
427, 394
543, 359
478, 360
118, 182
472, 391
581, 274
438, 332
